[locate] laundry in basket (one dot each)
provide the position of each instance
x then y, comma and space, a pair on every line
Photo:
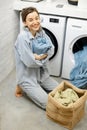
66, 115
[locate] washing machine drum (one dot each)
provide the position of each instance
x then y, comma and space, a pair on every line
54, 41
73, 2
79, 44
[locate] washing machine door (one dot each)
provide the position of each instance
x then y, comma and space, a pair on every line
54, 41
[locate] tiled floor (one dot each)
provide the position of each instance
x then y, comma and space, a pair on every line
22, 114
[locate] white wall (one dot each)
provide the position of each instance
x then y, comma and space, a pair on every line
9, 23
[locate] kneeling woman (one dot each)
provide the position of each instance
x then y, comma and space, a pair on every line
31, 66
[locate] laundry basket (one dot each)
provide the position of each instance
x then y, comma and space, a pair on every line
67, 116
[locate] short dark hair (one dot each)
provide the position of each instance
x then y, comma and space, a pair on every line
26, 11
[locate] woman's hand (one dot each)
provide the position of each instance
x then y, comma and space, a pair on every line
37, 57
43, 56
40, 57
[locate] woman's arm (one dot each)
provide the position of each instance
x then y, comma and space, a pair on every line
40, 57
25, 53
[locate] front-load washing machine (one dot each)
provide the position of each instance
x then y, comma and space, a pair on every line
54, 27
76, 32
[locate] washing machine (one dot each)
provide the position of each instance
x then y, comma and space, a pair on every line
76, 32
54, 27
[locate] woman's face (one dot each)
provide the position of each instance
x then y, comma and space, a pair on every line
33, 22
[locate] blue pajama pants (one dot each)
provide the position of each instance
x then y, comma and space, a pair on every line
38, 92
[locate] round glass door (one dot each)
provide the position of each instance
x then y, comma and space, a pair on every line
54, 41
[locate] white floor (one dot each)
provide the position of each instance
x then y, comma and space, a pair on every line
22, 114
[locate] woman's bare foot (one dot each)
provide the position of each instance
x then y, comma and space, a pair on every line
18, 92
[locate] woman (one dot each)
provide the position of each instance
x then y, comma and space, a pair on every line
31, 66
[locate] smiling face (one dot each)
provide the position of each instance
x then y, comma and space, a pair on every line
33, 22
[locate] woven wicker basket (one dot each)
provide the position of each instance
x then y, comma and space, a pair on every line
67, 116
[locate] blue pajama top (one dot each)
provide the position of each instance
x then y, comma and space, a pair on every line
28, 69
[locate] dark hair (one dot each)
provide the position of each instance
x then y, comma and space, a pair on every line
26, 11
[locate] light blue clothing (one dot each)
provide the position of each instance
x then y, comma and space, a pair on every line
41, 45
31, 73
78, 75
